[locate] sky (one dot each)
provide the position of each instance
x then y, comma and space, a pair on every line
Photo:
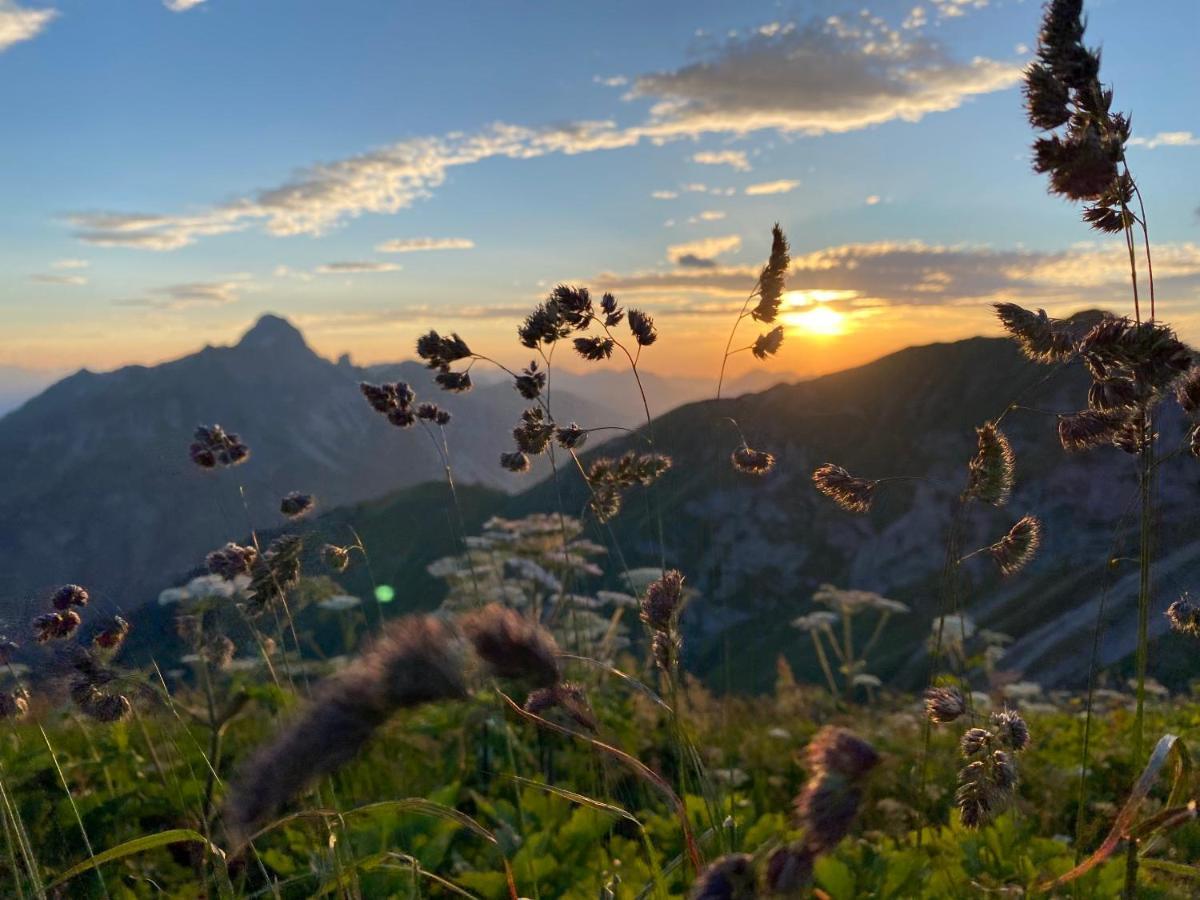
172, 169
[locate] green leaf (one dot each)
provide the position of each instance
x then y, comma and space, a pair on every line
135, 846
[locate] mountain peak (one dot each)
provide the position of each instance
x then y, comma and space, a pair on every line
274, 333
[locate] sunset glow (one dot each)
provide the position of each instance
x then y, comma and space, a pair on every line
819, 320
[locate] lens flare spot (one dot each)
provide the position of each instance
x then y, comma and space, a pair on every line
385, 593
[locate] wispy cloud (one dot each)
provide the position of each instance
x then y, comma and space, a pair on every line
782, 186
708, 215
1167, 139
417, 245
181, 5
702, 254
824, 76
19, 23
65, 280
611, 80
70, 264
356, 267
736, 159
190, 295
664, 195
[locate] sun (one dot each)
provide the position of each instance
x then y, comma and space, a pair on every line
817, 319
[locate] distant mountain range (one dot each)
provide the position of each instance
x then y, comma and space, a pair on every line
99, 490
756, 549
97, 487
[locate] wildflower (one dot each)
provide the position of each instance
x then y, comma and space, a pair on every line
990, 473
231, 561
457, 382
944, 704
213, 446
417, 660
850, 493
512, 646
218, 651
55, 625
69, 595
790, 869
731, 877
1184, 616
13, 705
1088, 429
335, 557
567, 697
752, 462
1041, 338
839, 750
530, 383
768, 343
594, 348
975, 741
612, 313
642, 327
533, 434
571, 438
1016, 549
113, 636
1011, 729
770, 281
515, 462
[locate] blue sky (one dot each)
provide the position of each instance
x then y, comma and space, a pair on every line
172, 170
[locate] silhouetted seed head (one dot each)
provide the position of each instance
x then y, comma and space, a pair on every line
13, 705
768, 343
1004, 772
402, 417
335, 557
1184, 616
790, 869
213, 446
1045, 98
511, 645
55, 626
944, 704
1132, 438
1194, 441
442, 417
1061, 49
1187, 391
380, 396
295, 504
69, 595
1089, 429
533, 434
101, 706
1011, 729
1119, 395
975, 741
416, 660
990, 473
594, 348
730, 877
515, 462
573, 305
427, 412
7, 650
231, 561
663, 600
608, 478
664, 650
544, 325
826, 809
771, 280
457, 382
976, 797
439, 352
571, 438
838, 750
642, 327
1015, 550
112, 636
612, 313
531, 382
568, 698
277, 570
751, 461
217, 650
850, 493
1041, 338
